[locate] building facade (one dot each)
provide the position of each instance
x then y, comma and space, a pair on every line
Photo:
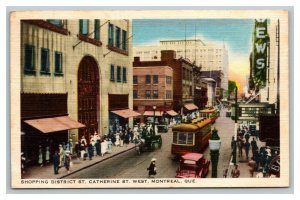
89, 62
211, 57
152, 86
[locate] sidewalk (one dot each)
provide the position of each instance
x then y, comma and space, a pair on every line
243, 162
47, 171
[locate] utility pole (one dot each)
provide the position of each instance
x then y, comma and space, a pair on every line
235, 128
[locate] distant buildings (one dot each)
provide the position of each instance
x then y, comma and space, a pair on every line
211, 57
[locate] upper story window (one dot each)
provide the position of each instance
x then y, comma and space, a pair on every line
148, 79
45, 61
155, 79
135, 80
168, 79
168, 94
118, 73
84, 26
112, 72
148, 94
118, 37
124, 39
29, 65
97, 29
155, 94
135, 94
58, 63
110, 34
124, 75
56, 22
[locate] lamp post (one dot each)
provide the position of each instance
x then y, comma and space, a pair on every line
235, 129
214, 146
154, 108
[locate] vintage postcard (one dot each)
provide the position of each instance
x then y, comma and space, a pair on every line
149, 99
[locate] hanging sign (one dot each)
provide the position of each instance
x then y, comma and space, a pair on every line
260, 46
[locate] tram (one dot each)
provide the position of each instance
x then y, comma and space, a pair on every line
212, 114
191, 137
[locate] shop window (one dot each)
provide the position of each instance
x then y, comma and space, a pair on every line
29, 59
83, 26
58, 63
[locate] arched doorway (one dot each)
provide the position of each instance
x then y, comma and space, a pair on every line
88, 97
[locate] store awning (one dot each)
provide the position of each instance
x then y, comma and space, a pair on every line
126, 113
191, 106
54, 124
151, 113
172, 113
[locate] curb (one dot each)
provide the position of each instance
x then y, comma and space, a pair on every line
73, 172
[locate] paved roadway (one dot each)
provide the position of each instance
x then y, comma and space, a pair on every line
132, 165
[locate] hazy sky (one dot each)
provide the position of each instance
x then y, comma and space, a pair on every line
236, 34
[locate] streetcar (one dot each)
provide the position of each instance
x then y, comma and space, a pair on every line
210, 113
191, 137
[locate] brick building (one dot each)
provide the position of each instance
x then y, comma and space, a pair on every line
183, 79
152, 86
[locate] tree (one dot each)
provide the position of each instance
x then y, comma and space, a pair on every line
231, 87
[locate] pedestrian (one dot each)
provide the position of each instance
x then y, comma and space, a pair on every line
252, 165
83, 141
61, 155
247, 148
235, 173
240, 146
109, 146
225, 172
91, 151
254, 147
117, 143
71, 146
56, 162
47, 155
121, 138
103, 147
247, 136
152, 168
40, 161
23, 162
67, 161
77, 149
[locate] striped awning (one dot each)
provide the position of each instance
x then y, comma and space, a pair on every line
191, 106
172, 113
126, 113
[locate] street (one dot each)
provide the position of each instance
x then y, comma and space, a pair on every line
132, 165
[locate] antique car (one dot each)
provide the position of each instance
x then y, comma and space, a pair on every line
193, 165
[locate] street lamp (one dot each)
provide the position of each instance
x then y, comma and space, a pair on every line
154, 108
214, 146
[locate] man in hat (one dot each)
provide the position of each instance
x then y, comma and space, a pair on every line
56, 162
152, 168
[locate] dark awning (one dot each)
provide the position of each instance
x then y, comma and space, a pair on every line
54, 124
126, 113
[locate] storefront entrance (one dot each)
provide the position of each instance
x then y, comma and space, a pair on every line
88, 97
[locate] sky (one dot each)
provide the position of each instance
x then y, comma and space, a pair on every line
236, 34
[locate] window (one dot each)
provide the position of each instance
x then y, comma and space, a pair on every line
135, 80
168, 94
124, 39
148, 94
118, 35
58, 62
191, 91
110, 34
118, 73
29, 58
155, 94
168, 79
148, 79
155, 79
183, 138
97, 29
44, 60
124, 75
83, 26
135, 94
56, 22
112, 72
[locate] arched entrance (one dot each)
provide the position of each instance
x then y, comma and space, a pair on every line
88, 97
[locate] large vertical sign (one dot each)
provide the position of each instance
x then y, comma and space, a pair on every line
260, 53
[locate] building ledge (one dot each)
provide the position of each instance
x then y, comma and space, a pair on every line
48, 26
89, 40
117, 50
